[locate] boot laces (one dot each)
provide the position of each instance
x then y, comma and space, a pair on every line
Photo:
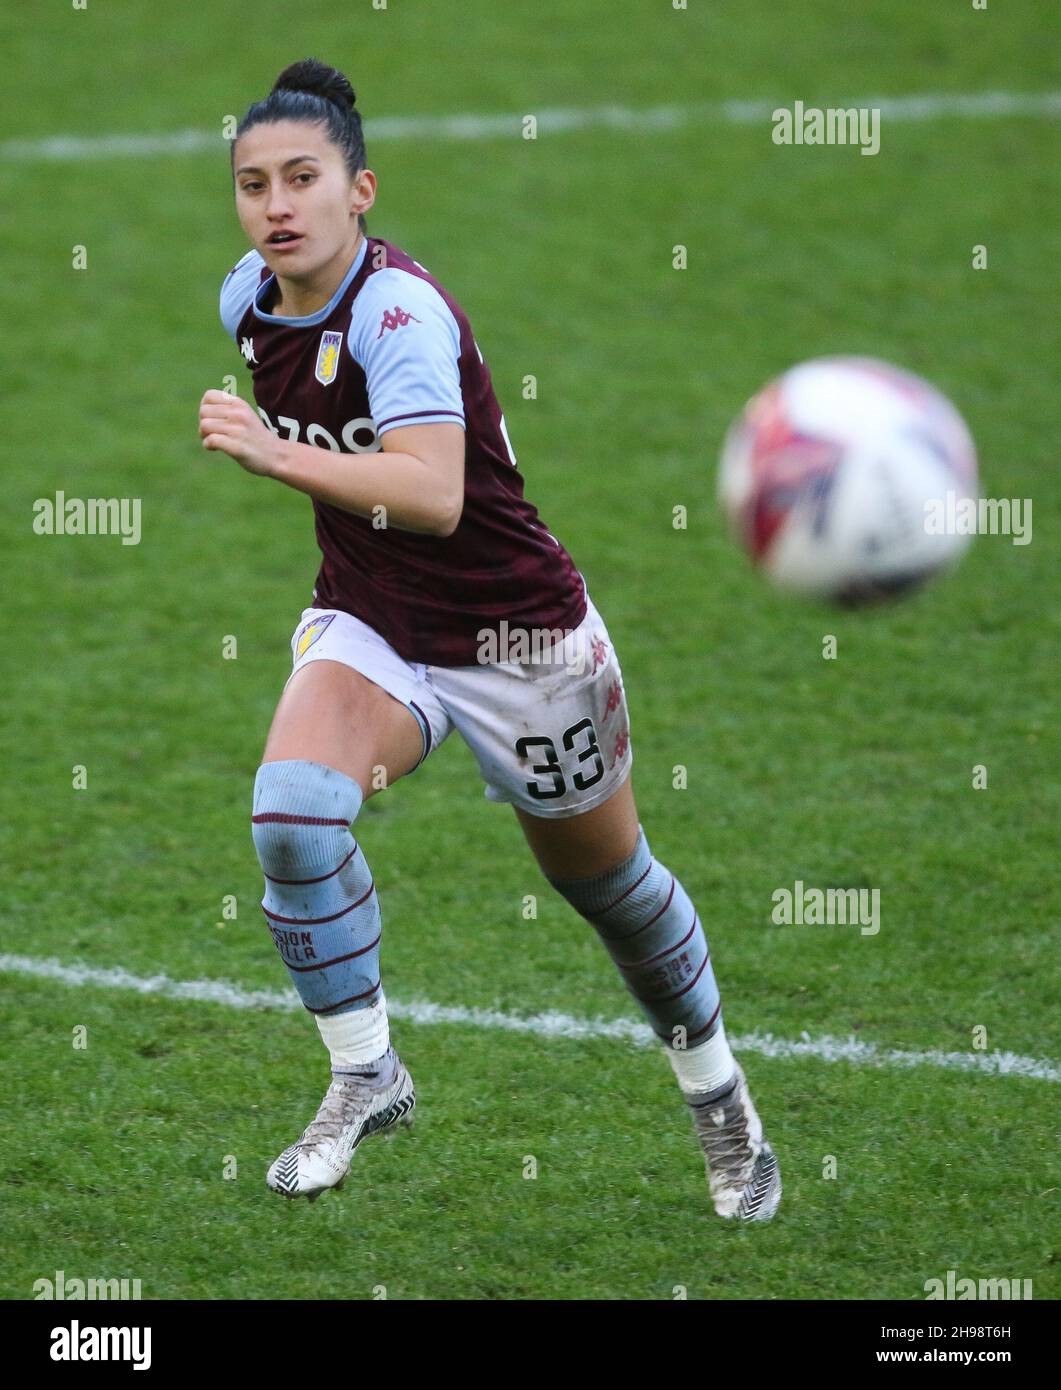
342, 1100
728, 1146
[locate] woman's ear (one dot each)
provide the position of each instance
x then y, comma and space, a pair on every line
363, 194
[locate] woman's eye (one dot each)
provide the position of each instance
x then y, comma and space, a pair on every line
304, 176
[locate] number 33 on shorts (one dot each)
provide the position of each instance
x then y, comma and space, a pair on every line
551, 737
564, 728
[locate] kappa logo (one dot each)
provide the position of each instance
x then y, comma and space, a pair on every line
328, 358
398, 319
247, 348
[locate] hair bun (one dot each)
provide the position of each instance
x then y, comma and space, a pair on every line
311, 75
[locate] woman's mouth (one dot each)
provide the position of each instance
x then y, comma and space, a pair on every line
284, 241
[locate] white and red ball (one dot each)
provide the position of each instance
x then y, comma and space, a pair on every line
836, 474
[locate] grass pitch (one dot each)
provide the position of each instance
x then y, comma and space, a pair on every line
857, 771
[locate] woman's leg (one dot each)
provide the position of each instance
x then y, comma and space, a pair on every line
552, 737
334, 715
591, 843
600, 861
336, 738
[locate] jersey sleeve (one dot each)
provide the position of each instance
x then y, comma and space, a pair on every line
405, 338
237, 291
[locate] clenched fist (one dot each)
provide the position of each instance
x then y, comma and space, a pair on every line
228, 423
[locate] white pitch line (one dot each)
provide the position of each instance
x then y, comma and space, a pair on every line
543, 1025
926, 106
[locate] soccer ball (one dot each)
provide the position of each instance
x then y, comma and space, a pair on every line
836, 475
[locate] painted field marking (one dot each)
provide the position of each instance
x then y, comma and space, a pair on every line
543, 1025
925, 106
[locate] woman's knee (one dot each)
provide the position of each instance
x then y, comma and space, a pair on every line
301, 816
332, 714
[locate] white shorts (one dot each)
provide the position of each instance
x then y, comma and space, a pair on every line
548, 727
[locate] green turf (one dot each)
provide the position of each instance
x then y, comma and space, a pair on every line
857, 771
445, 1211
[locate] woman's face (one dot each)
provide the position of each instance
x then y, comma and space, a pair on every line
295, 199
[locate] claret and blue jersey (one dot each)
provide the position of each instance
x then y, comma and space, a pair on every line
392, 348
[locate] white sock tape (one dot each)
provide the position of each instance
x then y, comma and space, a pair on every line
359, 1035
703, 1068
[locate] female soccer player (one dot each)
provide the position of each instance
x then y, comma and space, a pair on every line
442, 602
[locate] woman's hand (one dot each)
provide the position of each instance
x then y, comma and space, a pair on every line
228, 423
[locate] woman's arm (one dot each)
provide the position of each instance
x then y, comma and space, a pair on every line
418, 478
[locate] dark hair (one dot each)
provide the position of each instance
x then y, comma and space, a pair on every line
312, 91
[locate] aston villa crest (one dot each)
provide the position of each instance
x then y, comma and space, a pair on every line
328, 358
310, 633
